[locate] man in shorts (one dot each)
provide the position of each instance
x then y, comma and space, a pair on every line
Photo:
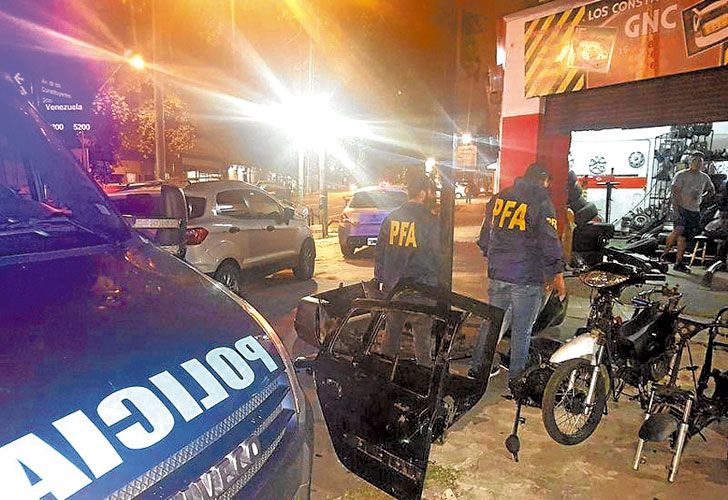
689, 187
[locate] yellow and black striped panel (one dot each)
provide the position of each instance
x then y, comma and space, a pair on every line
547, 46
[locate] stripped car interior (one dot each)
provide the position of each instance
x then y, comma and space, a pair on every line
383, 411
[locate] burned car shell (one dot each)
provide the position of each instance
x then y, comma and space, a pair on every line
383, 414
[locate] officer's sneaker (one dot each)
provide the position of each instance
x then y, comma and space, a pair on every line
681, 267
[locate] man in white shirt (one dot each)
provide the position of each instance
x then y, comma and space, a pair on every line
689, 187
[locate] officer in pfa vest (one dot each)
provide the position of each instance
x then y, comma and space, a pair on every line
520, 241
408, 247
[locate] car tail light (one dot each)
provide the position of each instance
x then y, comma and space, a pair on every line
195, 235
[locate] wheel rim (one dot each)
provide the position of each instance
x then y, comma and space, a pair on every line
230, 280
570, 401
308, 259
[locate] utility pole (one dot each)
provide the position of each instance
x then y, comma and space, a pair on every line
307, 170
303, 160
301, 173
324, 194
233, 38
447, 174
160, 148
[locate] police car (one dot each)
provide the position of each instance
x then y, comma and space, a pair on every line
124, 372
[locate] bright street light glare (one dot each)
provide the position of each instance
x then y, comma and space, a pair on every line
430, 164
309, 120
137, 62
467, 138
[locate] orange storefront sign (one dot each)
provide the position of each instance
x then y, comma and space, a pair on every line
619, 41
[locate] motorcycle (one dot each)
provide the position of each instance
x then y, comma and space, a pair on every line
678, 414
546, 354
609, 353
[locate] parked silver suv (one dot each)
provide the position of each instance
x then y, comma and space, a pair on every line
235, 226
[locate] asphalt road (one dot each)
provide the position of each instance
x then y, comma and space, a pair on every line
473, 463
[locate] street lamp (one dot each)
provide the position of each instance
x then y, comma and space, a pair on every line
137, 62
312, 123
467, 138
430, 164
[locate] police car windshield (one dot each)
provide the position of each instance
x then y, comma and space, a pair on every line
41, 182
378, 199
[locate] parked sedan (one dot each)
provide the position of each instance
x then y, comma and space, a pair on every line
361, 219
235, 227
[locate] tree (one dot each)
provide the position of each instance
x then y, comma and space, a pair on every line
124, 120
179, 133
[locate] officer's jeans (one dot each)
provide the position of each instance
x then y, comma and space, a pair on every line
421, 329
522, 304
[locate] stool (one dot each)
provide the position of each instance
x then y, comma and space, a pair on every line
701, 247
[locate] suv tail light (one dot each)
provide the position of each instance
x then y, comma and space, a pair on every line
195, 235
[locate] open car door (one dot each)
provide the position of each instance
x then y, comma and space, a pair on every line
383, 409
158, 211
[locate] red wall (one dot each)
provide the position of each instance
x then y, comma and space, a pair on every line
522, 143
553, 154
519, 143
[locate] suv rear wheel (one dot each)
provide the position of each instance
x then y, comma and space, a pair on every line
229, 275
347, 250
306, 261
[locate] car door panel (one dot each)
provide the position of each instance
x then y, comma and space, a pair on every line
278, 241
380, 429
369, 446
235, 225
383, 414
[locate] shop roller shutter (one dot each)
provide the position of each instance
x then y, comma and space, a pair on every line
701, 96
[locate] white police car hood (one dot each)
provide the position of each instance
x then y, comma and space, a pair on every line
125, 372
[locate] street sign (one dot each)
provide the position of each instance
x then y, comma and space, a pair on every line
68, 115
20, 80
466, 156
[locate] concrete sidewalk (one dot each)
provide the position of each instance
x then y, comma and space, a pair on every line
473, 463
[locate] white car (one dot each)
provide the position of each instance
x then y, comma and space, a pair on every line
235, 227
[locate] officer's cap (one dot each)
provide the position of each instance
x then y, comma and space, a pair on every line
536, 171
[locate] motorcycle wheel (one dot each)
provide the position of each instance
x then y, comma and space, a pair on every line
563, 403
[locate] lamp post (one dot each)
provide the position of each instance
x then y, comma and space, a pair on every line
323, 193
160, 148
136, 62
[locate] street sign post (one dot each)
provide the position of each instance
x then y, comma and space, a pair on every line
467, 156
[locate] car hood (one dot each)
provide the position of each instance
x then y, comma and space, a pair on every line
79, 327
